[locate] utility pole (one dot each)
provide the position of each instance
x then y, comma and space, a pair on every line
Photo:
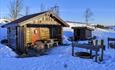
42, 8
27, 10
88, 14
55, 9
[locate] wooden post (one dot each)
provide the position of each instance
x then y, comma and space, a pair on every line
72, 49
91, 43
90, 53
96, 56
102, 50
108, 42
96, 50
73, 46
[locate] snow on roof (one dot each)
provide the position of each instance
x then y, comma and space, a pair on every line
4, 20
79, 24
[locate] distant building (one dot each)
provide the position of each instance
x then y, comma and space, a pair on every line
81, 31
76, 24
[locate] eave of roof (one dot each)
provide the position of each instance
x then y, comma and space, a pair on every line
82, 28
34, 15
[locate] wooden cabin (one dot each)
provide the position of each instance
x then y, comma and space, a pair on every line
28, 29
82, 33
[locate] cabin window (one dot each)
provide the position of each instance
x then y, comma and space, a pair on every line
35, 31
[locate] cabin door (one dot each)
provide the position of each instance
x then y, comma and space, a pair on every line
35, 35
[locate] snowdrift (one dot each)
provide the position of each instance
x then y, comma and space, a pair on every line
6, 52
3, 32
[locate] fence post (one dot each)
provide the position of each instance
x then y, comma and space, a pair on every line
96, 50
108, 42
102, 50
91, 43
73, 46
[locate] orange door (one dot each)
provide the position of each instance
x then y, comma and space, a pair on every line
35, 35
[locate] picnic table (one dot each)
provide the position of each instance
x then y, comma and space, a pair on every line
51, 42
91, 47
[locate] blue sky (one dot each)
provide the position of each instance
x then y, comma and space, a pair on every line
72, 10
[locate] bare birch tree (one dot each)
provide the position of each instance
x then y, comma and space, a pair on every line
15, 9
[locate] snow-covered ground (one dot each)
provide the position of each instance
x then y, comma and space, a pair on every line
59, 58
6, 52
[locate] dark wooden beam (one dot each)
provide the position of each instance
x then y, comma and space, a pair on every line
42, 25
86, 28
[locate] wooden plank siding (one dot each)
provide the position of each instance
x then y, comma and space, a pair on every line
82, 33
43, 19
12, 37
20, 40
42, 34
28, 35
45, 33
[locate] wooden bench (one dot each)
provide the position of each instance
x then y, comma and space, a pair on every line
87, 46
91, 47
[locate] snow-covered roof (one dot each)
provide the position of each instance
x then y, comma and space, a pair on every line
28, 17
4, 20
79, 24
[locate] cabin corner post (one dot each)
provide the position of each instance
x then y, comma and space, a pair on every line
17, 44
73, 45
20, 39
96, 52
24, 43
61, 35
